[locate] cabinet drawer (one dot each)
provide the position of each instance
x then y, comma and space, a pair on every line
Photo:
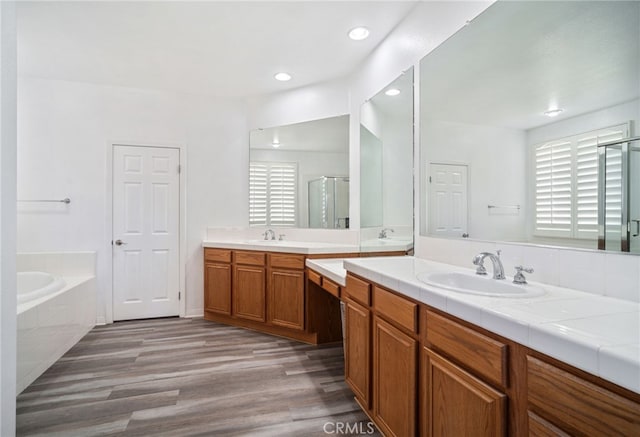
217, 255
359, 290
250, 258
286, 261
314, 277
395, 308
481, 354
576, 405
331, 287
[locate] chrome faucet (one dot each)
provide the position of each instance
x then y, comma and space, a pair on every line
498, 270
383, 233
269, 232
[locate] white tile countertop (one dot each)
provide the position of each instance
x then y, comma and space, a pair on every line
287, 246
386, 244
332, 268
598, 334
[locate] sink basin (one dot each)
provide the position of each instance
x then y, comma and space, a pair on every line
479, 285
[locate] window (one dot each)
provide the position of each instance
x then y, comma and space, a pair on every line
272, 193
566, 184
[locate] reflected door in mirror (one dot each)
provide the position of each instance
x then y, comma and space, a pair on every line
447, 203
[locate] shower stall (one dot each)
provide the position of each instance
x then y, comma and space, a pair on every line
329, 202
619, 195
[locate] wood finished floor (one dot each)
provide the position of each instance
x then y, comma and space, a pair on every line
188, 377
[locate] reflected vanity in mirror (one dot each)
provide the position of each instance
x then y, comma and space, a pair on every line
386, 167
299, 175
516, 108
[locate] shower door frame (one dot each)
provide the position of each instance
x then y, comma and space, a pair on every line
625, 223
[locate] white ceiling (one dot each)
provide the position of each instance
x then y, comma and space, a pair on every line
517, 59
216, 48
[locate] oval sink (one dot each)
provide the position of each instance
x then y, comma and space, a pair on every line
479, 285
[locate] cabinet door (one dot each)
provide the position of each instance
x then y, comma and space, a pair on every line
357, 350
286, 298
249, 292
458, 403
217, 280
394, 379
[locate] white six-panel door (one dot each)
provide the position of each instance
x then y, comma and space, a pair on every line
447, 201
146, 210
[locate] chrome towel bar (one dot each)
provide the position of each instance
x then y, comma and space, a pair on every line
65, 200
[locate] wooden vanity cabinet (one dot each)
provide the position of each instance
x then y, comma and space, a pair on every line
464, 382
249, 291
413, 383
381, 349
357, 338
560, 402
267, 291
217, 279
286, 291
395, 363
457, 403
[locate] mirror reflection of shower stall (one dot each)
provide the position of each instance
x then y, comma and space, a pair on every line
619, 195
329, 202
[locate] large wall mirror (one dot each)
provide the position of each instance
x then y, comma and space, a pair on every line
386, 164
515, 109
299, 175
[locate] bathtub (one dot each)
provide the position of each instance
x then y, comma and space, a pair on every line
32, 285
56, 308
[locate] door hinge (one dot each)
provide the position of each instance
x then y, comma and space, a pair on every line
179, 168
179, 295
429, 179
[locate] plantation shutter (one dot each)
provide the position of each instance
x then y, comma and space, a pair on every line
258, 176
553, 188
566, 184
282, 194
586, 205
272, 193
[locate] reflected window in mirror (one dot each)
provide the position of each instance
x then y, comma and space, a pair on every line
565, 184
299, 175
273, 193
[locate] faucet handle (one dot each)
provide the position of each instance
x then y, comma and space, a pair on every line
478, 261
519, 278
264, 234
520, 269
281, 237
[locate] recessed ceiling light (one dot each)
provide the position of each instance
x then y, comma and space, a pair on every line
283, 77
275, 144
358, 33
392, 92
553, 112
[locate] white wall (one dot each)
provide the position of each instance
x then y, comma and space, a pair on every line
7, 219
65, 130
496, 160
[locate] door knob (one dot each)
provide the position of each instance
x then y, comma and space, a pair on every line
119, 242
